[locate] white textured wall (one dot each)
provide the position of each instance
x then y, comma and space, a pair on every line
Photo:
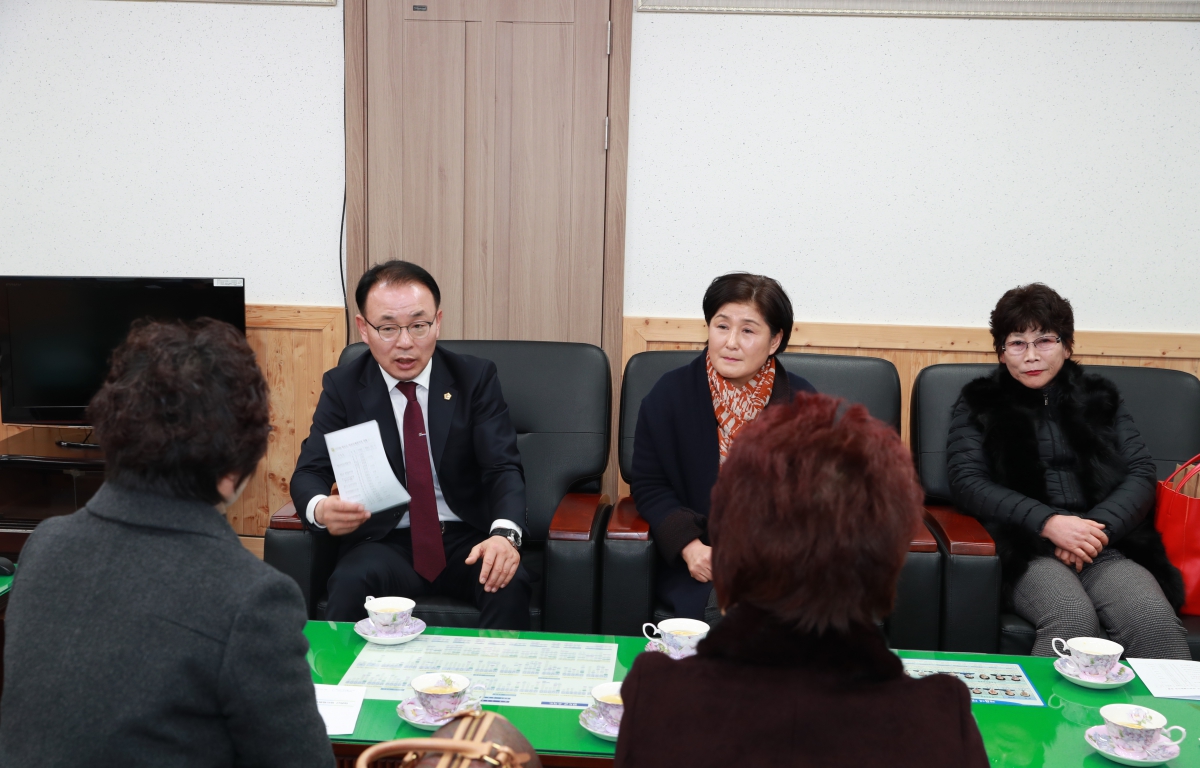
161, 138
911, 170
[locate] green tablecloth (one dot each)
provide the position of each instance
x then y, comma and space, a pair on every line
1013, 735
5, 584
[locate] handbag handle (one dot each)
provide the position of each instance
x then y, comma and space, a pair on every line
490, 752
1180, 468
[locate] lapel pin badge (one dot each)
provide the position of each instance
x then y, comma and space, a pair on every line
447, 395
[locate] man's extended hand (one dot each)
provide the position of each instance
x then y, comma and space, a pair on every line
698, 557
340, 516
500, 561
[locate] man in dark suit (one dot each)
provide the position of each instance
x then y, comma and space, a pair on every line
460, 535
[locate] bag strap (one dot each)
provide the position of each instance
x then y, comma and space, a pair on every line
414, 749
1181, 467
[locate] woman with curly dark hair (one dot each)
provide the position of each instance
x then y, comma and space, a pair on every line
1049, 459
140, 630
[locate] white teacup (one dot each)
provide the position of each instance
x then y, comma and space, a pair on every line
442, 694
1089, 657
609, 703
1134, 729
680, 636
389, 615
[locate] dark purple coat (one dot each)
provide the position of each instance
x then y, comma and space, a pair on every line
758, 694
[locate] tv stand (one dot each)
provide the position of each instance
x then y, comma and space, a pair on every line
82, 446
40, 478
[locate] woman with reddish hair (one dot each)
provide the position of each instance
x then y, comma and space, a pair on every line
810, 523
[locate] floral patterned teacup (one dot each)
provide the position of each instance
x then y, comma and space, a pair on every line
1090, 657
389, 615
1134, 729
442, 694
609, 703
680, 636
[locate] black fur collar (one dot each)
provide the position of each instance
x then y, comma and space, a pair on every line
1006, 411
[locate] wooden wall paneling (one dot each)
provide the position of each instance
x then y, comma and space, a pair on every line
478, 180
501, 193
912, 348
616, 172
254, 503
433, 158
586, 265
354, 13
383, 133
540, 192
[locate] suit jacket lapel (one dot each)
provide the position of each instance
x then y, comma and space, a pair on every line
443, 398
377, 402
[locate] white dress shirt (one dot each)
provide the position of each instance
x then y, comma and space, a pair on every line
399, 403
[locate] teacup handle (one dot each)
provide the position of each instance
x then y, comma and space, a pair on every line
653, 628
475, 692
369, 599
1054, 644
1182, 733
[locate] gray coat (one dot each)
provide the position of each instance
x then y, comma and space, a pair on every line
140, 632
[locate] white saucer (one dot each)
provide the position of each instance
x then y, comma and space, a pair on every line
654, 646
366, 630
1117, 676
1098, 739
411, 712
594, 723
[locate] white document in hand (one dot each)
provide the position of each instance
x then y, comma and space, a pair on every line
339, 706
361, 468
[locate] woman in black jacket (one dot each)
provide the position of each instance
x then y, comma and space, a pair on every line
1048, 458
689, 420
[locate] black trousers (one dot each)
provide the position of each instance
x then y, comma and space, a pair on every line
384, 568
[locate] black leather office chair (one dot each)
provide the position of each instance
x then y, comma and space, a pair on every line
1165, 404
630, 558
558, 397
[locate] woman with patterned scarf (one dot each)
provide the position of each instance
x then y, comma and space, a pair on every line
690, 419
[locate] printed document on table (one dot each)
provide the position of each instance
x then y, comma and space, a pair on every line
1169, 679
552, 674
361, 468
339, 707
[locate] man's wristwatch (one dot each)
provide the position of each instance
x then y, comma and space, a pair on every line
513, 536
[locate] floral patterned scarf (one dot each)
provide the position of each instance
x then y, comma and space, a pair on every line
736, 407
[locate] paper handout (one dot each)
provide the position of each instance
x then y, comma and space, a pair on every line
339, 706
1169, 679
361, 468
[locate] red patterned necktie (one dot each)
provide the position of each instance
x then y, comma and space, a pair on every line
429, 556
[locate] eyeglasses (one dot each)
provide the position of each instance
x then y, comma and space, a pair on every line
390, 332
1041, 344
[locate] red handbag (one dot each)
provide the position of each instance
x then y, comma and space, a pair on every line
1178, 522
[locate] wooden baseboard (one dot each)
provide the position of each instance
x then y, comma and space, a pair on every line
913, 347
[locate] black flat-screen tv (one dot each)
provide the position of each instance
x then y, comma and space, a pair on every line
57, 334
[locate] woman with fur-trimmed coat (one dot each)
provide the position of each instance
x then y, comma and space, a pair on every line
1048, 458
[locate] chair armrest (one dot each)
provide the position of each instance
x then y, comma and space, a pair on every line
630, 562
572, 567
286, 519
626, 524
575, 516
922, 539
960, 534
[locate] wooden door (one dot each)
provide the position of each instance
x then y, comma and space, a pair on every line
486, 133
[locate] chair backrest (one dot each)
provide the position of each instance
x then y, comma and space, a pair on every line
871, 381
1164, 404
558, 396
